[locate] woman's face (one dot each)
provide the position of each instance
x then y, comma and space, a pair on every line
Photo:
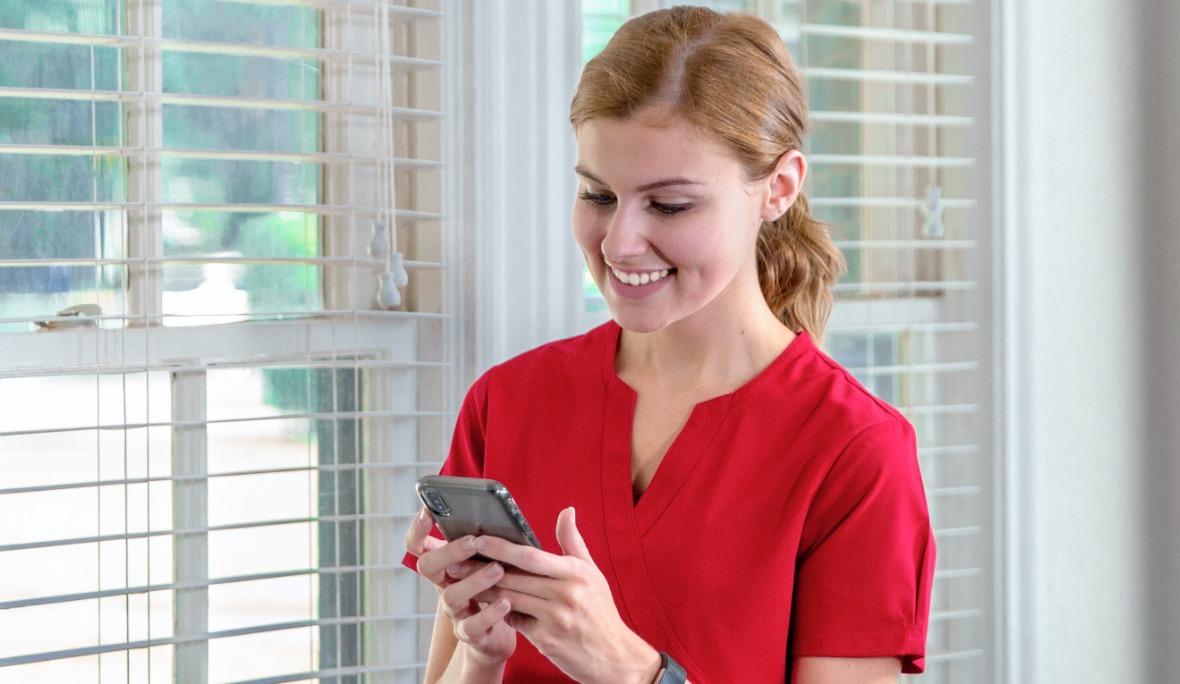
666, 220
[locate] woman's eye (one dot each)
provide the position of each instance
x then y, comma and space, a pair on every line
665, 209
597, 199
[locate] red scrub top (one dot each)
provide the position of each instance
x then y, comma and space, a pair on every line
787, 518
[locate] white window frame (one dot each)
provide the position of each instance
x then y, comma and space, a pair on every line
382, 341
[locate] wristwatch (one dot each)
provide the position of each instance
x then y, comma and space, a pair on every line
672, 672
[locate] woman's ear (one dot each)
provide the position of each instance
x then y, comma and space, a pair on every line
784, 184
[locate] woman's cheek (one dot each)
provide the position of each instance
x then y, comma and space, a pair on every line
586, 234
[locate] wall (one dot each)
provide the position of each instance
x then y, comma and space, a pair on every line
1160, 259
1093, 322
524, 58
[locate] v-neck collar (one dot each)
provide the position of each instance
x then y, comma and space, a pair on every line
686, 449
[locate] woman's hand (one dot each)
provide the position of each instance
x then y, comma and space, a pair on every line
564, 606
460, 581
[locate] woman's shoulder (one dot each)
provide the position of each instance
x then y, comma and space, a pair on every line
816, 379
578, 357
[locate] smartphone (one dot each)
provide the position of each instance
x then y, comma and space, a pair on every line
470, 505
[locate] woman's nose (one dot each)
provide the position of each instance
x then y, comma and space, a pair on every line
624, 237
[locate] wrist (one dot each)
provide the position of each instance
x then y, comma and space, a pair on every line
652, 669
640, 664
478, 667
670, 672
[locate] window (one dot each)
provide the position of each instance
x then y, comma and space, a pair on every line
239, 208
893, 175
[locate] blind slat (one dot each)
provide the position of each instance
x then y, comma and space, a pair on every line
889, 202
227, 527
917, 245
951, 656
131, 481
136, 153
335, 415
916, 286
317, 209
223, 101
214, 581
892, 118
218, 48
915, 368
360, 262
891, 160
206, 636
890, 35
885, 76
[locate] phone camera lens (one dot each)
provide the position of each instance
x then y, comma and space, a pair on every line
435, 501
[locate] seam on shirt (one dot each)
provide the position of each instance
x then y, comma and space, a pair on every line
824, 482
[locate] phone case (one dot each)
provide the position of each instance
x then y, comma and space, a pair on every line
466, 505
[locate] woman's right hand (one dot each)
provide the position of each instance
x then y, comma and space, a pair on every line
459, 579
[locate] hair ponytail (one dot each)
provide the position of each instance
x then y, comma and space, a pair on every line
797, 266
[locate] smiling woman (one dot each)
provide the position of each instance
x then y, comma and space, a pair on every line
707, 388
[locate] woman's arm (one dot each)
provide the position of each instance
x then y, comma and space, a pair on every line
448, 662
810, 670
471, 640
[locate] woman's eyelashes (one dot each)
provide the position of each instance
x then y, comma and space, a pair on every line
604, 200
666, 209
597, 199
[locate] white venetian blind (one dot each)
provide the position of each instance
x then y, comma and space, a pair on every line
894, 173
240, 209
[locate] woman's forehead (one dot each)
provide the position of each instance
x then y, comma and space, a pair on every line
642, 149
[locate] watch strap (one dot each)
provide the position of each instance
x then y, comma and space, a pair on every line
673, 672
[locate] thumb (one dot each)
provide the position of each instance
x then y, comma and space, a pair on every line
569, 538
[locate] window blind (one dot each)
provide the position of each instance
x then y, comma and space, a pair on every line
227, 334
894, 173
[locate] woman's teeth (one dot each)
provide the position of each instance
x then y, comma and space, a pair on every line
640, 278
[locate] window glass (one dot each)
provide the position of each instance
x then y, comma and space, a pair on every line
29, 127
267, 254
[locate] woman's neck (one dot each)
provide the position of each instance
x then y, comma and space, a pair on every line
707, 354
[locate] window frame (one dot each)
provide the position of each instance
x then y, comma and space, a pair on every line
379, 343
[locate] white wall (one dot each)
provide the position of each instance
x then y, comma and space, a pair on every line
1090, 181
1160, 226
521, 148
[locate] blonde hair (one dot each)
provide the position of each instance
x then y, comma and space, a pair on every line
731, 76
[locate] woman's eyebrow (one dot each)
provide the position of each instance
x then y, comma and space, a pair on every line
643, 188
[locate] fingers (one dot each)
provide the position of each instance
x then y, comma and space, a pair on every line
433, 565
537, 561
569, 538
474, 628
459, 597
418, 540
519, 556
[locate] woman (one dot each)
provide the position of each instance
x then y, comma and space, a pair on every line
745, 510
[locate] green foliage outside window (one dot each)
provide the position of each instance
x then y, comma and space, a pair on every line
32, 175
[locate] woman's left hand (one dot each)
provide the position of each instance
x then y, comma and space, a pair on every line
563, 605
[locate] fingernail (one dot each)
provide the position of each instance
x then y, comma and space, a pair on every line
480, 544
453, 570
423, 516
493, 570
469, 544
502, 605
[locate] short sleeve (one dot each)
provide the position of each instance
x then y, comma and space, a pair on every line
866, 560
465, 458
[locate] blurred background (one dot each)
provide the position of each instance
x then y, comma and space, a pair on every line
252, 252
